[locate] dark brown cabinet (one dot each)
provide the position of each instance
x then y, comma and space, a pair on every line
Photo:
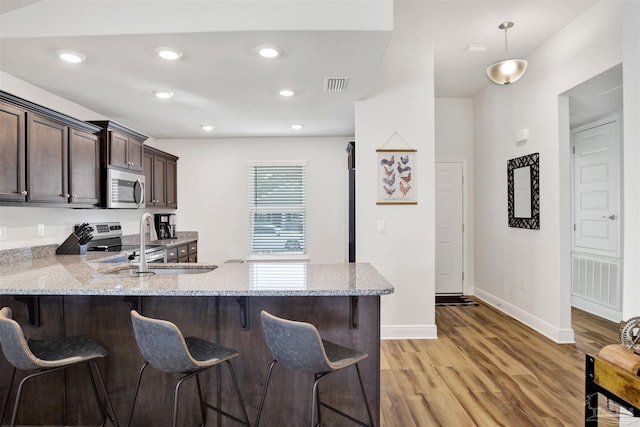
84, 167
160, 170
47, 157
47, 160
62, 163
187, 252
121, 147
13, 185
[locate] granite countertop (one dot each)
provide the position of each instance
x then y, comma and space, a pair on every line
87, 275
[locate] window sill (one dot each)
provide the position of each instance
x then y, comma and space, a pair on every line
278, 257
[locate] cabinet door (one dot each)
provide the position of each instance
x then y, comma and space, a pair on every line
172, 254
159, 180
84, 167
183, 253
12, 146
118, 149
136, 150
172, 184
147, 162
47, 166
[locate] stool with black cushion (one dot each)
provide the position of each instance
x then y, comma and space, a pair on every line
298, 346
46, 356
164, 347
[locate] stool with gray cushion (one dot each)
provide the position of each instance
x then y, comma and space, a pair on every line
164, 347
49, 356
298, 346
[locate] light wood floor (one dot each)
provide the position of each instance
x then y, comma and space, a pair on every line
486, 369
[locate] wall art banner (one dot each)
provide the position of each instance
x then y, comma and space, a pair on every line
397, 177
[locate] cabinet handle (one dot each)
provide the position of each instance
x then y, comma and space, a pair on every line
75, 196
24, 192
66, 196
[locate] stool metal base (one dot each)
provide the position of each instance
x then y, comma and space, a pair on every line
203, 404
316, 403
103, 411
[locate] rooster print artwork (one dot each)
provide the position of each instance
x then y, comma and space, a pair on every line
396, 177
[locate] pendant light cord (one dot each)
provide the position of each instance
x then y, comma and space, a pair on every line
506, 48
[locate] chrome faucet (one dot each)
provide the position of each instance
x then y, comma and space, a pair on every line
146, 219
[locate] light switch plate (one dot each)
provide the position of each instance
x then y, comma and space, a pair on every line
40, 230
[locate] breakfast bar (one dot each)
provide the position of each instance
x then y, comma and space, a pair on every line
55, 296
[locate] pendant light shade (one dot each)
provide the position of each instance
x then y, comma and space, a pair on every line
510, 70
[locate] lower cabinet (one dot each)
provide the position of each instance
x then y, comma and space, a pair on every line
187, 252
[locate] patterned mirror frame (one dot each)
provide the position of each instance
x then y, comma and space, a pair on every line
532, 160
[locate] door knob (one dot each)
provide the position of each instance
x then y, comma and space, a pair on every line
611, 217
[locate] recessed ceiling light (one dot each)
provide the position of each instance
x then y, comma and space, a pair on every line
70, 56
287, 92
168, 53
162, 94
268, 51
207, 128
297, 126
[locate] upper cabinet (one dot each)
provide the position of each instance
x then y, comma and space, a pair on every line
121, 147
160, 170
47, 157
13, 183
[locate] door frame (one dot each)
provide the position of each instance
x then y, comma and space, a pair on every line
467, 231
595, 308
615, 117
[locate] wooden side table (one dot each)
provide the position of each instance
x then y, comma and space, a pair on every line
614, 383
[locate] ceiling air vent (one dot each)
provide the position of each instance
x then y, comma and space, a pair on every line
335, 84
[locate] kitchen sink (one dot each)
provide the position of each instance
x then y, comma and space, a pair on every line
164, 270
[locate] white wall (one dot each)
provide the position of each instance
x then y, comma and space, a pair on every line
526, 272
213, 192
454, 143
405, 252
631, 149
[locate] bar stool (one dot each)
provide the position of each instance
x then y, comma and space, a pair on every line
49, 356
164, 347
298, 346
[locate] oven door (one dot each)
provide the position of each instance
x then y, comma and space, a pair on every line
124, 189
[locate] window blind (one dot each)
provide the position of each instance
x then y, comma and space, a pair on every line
277, 208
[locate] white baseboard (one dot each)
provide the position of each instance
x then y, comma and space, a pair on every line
595, 308
408, 332
559, 335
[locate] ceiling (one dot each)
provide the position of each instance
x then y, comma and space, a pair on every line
220, 80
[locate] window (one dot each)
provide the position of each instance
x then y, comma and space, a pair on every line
277, 208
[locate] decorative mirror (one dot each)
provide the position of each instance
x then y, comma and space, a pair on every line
524, 191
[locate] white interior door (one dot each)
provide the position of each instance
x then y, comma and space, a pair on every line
449, 227
596, 190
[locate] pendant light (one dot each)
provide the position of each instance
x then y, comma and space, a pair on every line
510, 70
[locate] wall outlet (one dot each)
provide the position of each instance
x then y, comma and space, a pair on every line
3, 232
40, 230
380, 226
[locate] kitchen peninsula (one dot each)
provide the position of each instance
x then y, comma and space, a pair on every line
81, 295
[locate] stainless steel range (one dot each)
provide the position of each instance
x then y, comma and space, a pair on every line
107, 237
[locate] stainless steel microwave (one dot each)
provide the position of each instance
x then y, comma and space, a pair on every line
124, 189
